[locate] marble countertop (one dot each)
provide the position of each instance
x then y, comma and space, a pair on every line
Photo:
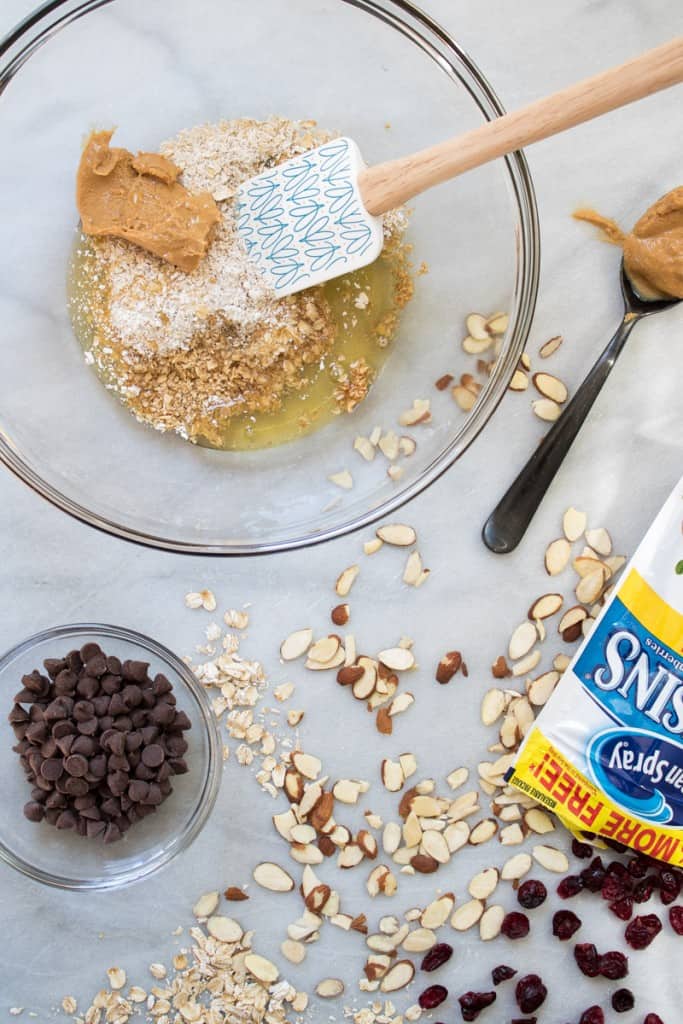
620, 470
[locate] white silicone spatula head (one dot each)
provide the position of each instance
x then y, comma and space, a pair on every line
318, 216
304, 221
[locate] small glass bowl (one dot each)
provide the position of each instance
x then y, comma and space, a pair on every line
65, 859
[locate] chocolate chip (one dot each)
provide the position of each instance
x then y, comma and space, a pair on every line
138, 790
111, 684
96, 666
83, 710
135, 670
34, 811
66, 682
51, 768
113, 665
63, 728
48, 748
76, 765
85, 745
89, 650
53, 666
87, 687
153, 755
66, 820
76, 787
163, 714
89, 727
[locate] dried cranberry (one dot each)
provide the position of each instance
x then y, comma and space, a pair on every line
502, 973
565, 923
531, 894
676, 919
670, 886
433, 997
515, 925
594, 875
581, 850
643, 890
569, 886
614, 965
472, 1003
653, 1018
622, 1000
642, 930
593, 1015
613, 888
530, 993
623, 908
587, 959
637, 867
437, 956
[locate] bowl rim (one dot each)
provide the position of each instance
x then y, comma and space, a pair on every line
212, 772
436, 41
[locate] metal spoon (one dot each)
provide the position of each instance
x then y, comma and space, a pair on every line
508, 522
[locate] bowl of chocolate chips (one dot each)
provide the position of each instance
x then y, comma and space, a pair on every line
111, 756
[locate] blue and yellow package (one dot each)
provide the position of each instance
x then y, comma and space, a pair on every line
606, 752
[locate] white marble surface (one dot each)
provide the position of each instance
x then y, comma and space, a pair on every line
621, 468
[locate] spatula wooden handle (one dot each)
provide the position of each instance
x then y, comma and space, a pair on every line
390, 184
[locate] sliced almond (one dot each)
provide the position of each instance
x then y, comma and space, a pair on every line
388, 445
464, 398
436, 913
550, 387
364, 686
364, 447
476, 327
490, 923
408, 763
561, 662
590, 587
329, 988
263, 970
511, 835
347, 791
371, 546
519, 380
467, 915
541, 689
449, 665
516, 867
458, 777
600, 540
569, 626
305, 853
522, 640
413, 569
483, 884
342, 479
302, 834
497, 324
342, 921
546, 409
418, 413
293, 951
552, 859
407, 445
296, 644
397, 534
324, 650
423, 863
392, 775
272, 877
492, 706
225, 929
346, 579
350, 856
367, 843
545, 606
284, 823
419, 940
398, 976
434, 845
574, 524
457, 835
539, 821
584, 565
550, 346
526, 664
400, 704
557, 556
483, 831
398, 659
306, 764
391, 837
615, 562
206, 904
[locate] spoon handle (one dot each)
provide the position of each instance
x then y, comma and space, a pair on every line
508, 522
388, 185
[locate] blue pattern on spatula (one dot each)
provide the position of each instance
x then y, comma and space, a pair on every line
305, 218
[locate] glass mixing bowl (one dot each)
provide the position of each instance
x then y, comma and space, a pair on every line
378, 70
65, 859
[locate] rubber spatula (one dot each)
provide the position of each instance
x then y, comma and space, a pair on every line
319, 215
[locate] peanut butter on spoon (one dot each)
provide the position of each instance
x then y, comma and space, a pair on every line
139, 199
653, 250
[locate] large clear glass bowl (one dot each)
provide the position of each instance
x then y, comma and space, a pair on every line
378, 70
65, 859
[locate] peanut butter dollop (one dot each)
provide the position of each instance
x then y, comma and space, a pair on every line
138, 198
653, 251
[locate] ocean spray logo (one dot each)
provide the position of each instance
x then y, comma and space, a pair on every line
641, 772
